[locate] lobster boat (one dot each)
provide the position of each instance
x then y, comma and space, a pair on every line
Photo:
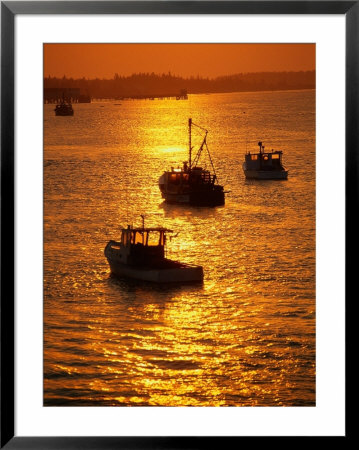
64, 109
192, 184
141, 255
264, 165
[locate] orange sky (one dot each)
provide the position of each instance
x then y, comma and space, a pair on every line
208, 60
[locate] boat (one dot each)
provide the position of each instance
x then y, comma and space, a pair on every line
141, 255
264, 165
192, 184
64, 108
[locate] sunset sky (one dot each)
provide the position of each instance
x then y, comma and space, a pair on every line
206, 60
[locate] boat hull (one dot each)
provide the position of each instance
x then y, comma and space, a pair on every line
64, 113
164, 271
176, 198
266, 174
204, 198
184, 274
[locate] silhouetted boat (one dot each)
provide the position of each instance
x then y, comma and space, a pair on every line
192, 184
140, 254
264, 165
64, 109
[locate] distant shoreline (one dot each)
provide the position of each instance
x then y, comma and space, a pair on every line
145, 97
211, 93
144, 85
255, 90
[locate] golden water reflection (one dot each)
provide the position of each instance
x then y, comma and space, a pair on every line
246, 336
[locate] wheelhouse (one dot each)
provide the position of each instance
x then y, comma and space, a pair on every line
264, 160
140, 246
146, 237
183, 177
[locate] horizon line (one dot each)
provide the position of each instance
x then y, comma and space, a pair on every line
180, 76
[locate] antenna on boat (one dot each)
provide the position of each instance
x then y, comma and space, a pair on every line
143, 220
246, 127
127, 202
190, 142
204, 144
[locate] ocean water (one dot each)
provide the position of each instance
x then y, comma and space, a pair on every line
246, 336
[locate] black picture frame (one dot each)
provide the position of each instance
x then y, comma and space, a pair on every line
9, 9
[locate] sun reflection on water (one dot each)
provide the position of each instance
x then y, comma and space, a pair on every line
246, 336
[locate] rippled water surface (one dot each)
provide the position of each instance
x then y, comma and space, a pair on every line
246, 337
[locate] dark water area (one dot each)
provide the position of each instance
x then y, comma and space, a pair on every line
246, 336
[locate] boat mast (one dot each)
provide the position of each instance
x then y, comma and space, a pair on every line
190, 143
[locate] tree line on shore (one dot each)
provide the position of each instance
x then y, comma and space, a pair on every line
151, 84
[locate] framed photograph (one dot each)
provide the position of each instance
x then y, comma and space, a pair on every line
177, 185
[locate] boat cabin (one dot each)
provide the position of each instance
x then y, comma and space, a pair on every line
176, 178
140, 246
264, 160
180, 180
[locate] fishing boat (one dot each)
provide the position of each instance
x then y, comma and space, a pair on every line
64, 108
192, 184
264, 165
141, 255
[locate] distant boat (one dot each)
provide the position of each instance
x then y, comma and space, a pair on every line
192, 184
140, 254
264, 165
64, 108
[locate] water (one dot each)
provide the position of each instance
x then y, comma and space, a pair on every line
246, 337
